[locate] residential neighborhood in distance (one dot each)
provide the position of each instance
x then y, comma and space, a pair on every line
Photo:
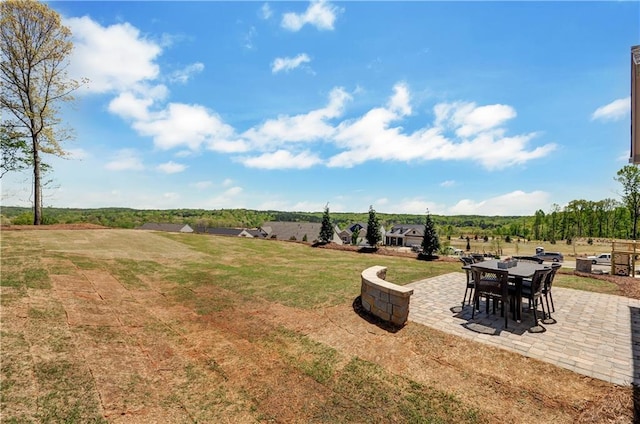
400, 235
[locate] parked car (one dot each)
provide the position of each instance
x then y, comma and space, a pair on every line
450, 250
550, 256
601, 259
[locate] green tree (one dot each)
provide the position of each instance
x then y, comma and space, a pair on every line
629, 177
430, 241
34, 52
355, 235
15, 150
326, 229
538, 225
373, 229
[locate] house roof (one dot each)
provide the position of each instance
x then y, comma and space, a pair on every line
222, 231
405, 229
286, 230
160, 226
257, 233
231, 232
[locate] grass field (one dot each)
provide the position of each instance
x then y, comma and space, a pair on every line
134, 326
578, 248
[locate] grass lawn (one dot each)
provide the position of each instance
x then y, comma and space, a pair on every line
135, 326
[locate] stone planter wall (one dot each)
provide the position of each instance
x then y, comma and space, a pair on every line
387, 301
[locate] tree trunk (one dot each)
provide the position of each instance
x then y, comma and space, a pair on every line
37, 191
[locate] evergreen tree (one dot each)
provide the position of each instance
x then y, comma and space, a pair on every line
326, 230
430, 241
355, 235
373, 228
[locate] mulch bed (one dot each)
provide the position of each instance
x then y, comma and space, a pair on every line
629, 286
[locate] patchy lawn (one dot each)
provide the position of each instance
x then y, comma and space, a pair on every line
135, 326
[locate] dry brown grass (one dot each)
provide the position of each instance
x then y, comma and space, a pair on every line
88, 342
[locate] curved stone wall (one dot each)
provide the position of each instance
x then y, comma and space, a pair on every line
387, 301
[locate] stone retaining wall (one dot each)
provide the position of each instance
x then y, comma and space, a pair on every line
383, 299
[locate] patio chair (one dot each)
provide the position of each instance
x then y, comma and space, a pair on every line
533, 291
548, 284
468, 260
492, 285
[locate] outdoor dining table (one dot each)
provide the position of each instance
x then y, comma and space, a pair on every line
517, 274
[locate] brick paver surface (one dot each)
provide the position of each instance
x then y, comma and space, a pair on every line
597, 335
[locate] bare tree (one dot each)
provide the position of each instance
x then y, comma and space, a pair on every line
34, 52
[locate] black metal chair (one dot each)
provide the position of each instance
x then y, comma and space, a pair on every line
492, 285
466, 261
532, 290
548, 284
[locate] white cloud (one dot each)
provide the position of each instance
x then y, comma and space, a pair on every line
400, 101
125, 160
282, 159
182, 125
372, 136
302, 206
171, 167
516, 203
320, 14
121, 60
233, 191
448, 183
170, 195
76, 154
468, 119
308, 127
614, 111
184, 75
418, 206
248, 38
113, 58
128, 106
228, 198
227, 182
288, 63
202, 185
266, 11
624, 156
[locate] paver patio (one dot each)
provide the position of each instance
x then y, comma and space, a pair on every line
597, 335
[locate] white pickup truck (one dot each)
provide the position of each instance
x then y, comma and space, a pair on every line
601, 259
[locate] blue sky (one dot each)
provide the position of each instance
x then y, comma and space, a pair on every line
489, 108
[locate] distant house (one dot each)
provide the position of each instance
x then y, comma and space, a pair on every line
230, 232
172, 228
296, 231
346, 235
405, 235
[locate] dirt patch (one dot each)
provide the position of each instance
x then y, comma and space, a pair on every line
219, 366
158, 351
383, 251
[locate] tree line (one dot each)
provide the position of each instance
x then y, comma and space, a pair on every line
608, 219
